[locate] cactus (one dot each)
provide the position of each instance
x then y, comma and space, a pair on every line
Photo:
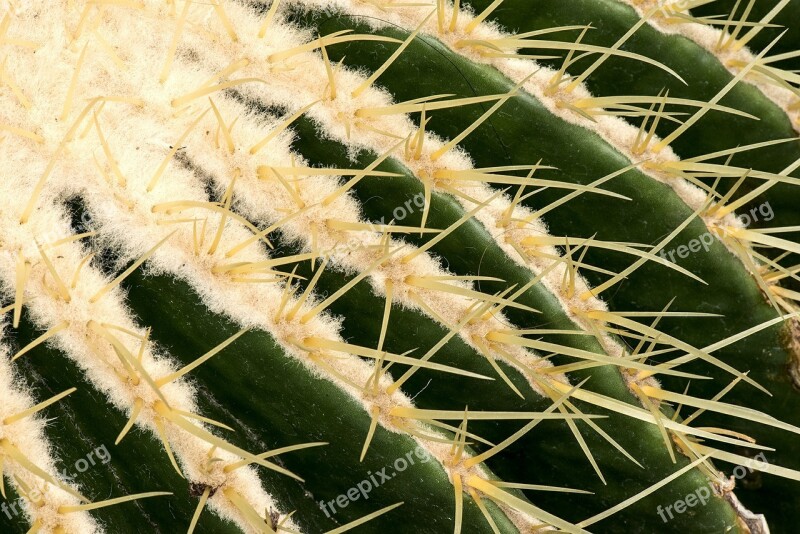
384, 266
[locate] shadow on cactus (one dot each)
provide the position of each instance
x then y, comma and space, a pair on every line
305, 266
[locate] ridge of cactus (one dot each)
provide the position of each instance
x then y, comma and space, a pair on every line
782, 22
27, 460
780, 364
463, 199
777, 364
85, 435
204, 231
730, 43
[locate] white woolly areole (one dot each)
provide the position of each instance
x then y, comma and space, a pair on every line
28, 436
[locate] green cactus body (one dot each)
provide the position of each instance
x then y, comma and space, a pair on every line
379, 266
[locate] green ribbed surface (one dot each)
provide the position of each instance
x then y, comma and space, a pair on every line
271, 400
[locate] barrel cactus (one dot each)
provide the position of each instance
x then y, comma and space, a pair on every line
473, 266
